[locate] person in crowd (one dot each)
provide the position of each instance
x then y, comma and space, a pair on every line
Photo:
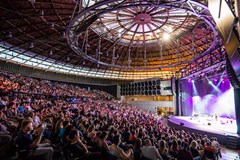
132, 137
118, 152
149, 151
137, 149
102, 143
217, 146
78, 148
194, 149
5, 139
174, 149
126, 134
209, 150
91, 132
30, 146
184, 153
36, 118
59, 130
20, 109
163, 150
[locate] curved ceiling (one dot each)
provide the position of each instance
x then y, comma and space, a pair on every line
106, 39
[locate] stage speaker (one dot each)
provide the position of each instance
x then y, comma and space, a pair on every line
234, 80
209, 124
182, 124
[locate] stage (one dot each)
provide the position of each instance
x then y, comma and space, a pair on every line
213, 127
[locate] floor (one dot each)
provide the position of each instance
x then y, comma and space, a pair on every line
221, 126
229, 154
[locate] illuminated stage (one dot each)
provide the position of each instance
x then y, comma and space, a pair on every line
206, 125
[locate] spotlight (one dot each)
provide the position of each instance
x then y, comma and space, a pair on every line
64, 34
166, 36
9, 34
210, 82
189, 80
215, 80
50, 53
192, 81
223, 81
52, 25
42, 13
31, 45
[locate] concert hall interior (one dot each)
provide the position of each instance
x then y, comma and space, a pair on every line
119, 79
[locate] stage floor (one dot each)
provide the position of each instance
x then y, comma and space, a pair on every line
223, 126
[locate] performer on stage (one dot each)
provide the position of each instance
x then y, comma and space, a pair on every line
216, 117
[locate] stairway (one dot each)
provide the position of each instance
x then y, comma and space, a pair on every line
232, 142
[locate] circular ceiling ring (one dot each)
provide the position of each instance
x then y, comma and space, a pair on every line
88, 16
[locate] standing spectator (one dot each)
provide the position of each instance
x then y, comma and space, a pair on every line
217, 146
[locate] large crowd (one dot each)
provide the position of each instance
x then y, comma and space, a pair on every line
23, 84
35, 126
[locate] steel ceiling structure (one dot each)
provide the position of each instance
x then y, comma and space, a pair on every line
114, 39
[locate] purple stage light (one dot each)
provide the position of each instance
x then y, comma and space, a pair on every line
205, 98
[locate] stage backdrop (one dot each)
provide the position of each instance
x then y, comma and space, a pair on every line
207, 98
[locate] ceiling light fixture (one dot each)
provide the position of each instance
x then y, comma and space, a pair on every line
31, 45
166, 36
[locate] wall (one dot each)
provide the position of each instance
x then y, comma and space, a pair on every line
38, 73
151, 105
125, 99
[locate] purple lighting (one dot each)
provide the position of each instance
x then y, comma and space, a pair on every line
202, 97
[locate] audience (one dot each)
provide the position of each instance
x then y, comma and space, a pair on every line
33, 111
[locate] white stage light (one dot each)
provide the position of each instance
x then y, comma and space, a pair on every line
166, 36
